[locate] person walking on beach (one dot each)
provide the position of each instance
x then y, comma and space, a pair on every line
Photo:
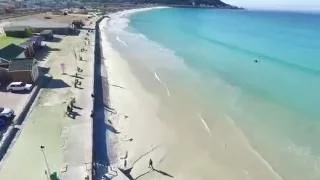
151, 164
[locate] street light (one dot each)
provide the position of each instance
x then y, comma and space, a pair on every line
46, 162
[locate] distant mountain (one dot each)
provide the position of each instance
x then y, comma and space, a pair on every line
213, 3
196, 3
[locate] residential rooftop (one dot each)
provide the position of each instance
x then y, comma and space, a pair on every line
11, 51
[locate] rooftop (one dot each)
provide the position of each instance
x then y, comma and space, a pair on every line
11, 51
15, 28
46, 31
40, 23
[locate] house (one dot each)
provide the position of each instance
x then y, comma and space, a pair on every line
13, 51
23, 70
38, 25
17, 64
78, 24
20, 69
24, 50
33, 44
47, 34
18, 31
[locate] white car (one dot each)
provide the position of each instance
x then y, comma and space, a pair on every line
6, 112
19, 86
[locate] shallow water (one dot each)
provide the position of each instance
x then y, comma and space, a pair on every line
201, 63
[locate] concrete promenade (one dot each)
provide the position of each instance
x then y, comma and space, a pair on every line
67, 140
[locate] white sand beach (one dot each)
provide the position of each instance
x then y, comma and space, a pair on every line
135, 118
182, 146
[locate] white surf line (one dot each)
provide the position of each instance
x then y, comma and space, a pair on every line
163, 83
255, 152
205, 124
121, 41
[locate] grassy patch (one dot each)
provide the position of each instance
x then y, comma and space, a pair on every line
4, 41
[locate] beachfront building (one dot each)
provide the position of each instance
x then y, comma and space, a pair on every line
78, 24
27, 49
20, 70
47, 34
33, 44
17, 64
39, 25
13, 51
23, 70
18, 31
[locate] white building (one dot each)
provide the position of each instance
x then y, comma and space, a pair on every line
2, 25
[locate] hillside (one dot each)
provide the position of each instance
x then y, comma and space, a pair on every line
212, 3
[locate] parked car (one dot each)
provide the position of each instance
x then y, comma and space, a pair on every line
19, 86
6, 112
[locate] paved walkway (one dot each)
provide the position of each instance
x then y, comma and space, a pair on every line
78, 154
67, 141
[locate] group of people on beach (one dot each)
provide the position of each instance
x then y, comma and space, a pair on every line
70, 107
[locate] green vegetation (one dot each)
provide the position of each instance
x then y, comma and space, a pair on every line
18, 31
5, 40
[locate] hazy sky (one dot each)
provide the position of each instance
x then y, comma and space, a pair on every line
277, 4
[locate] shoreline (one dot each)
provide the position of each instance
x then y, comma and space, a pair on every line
114, 59
121, 142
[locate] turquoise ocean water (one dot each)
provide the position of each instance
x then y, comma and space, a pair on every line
275, 101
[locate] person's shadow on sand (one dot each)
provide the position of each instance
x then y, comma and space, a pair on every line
154, 170
163, 173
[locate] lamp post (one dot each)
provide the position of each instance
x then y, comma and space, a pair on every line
46, 162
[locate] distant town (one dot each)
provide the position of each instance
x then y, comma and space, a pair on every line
10, 8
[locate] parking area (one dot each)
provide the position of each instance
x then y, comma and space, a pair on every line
14, 101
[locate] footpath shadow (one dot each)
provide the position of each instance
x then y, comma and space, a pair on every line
100, 128
154, 170
44, 52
